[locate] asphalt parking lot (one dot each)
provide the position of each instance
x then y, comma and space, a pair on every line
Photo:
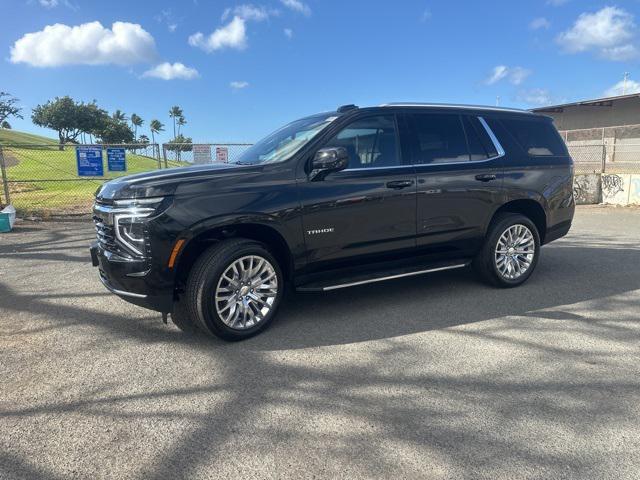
429, 377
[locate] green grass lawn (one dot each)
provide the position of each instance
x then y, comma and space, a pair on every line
43, 180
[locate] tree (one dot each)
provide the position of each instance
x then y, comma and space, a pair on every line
6, 125
114, 131
180, 144
67, 117
119, 116
136, 121
9, 107
175, 113
156, 126
143, 139
181, 123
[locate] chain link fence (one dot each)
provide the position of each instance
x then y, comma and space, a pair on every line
44, 179
47, 180
181, 154
605, 150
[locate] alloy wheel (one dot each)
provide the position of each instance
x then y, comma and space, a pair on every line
515, 251
246, 292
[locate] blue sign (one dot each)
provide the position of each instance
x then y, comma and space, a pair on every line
116, 160
89, 161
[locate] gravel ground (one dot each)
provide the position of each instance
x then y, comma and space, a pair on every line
430, 377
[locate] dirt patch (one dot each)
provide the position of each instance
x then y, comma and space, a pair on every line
10, 160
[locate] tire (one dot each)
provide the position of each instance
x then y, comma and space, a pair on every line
508, 269
250, 302
181, 317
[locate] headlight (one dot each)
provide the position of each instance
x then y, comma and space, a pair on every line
130, 219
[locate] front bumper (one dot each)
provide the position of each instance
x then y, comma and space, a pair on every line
130, 280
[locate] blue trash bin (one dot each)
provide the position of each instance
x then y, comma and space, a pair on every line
7, 218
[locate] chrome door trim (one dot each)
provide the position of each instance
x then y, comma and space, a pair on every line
391, 277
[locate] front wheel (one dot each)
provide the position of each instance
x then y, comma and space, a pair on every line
234, 289
510, 251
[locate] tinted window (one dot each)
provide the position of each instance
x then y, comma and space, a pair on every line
438, 138
473, 124
476, 149
370, 142
537, 137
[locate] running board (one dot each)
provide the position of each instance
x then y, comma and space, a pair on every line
390, 275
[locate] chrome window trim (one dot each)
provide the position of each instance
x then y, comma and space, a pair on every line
357, 169
494, 139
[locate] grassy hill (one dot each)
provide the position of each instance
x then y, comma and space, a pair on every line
13, 136
43, 179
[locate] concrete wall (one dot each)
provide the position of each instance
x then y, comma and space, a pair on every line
613, 189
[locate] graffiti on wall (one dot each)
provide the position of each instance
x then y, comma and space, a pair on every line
612, 185
581, 189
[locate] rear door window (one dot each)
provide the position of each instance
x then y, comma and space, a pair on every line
537, 137
476, 133
437, 138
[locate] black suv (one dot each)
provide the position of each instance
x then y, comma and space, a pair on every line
333, 200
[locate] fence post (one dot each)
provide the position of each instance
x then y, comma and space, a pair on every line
164, 155
604, 158
156, 153
5, 180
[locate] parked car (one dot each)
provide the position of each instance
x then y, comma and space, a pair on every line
334, 200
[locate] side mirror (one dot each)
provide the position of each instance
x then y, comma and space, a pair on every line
327, 160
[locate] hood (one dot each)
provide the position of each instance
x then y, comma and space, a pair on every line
160, 183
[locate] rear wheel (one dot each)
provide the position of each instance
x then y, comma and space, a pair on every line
234, 289
510, 251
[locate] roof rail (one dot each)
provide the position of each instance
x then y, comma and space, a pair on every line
450, 105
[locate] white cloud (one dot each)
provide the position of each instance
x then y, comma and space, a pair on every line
297, 6
515, 75
49, 3
86, 44
557, 3
535, 96
249, 12
426, 15
621, 89
172, 27
171, 71
232, 35
540, 23
288, 33
609, 32
497, 74
239, 85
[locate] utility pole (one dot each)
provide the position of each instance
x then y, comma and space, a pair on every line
624, 83
497, 100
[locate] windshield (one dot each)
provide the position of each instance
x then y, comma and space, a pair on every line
286, 141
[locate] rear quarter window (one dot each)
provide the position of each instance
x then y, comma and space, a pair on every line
537, 137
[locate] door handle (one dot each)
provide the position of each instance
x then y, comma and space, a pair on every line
486, 177
398, 184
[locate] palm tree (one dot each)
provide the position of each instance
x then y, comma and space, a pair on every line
144, 139
136, 121
156, 126
175, 112
119, 116
181, 123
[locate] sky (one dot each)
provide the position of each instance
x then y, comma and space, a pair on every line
242, 69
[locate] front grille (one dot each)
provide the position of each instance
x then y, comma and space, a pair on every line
106, 236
